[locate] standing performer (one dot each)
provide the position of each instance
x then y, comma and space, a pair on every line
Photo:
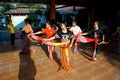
64, 36
27, 29
76, 30
49, 31
96, 32
11, 29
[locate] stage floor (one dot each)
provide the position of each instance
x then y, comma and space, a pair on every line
37, 65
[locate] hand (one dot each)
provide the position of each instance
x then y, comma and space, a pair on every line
103, 42
29, 34
34, 33
70, 45
45, 39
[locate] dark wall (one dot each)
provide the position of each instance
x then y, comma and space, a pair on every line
110, 15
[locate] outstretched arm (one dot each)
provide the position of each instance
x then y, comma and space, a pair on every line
72, 42
103, 42
39, 32
84, 33
50, 38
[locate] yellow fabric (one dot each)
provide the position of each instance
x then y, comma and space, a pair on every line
66, 50
58, 44
11, 28
64, 54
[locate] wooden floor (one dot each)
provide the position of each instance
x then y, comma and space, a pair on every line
37, 65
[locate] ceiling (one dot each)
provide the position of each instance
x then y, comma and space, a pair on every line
87, 3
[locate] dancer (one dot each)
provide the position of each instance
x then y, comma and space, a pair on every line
64, 36
49, 31
96, 32
27, 29
76, 30
11, 29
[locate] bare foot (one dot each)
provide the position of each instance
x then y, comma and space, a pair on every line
60, 68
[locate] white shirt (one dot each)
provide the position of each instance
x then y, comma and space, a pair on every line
76, 30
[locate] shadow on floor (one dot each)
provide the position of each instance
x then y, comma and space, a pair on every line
27, 69
108, 51
111, 56
82, 49
44, 47
56, 56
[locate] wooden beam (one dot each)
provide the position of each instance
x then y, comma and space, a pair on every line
52, 10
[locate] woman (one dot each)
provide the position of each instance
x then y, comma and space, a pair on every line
64, 36
27, 29
49, 32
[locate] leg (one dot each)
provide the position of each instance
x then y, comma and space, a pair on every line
26, 49
95, 51
72, 42
50, 49
75, 45
75, 48
13, 41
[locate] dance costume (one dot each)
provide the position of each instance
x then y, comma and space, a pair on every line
64, 50
49, 33
76, 30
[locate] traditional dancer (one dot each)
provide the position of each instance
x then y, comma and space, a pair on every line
75, 29
64, 35
27, 29
49, 31
96, 32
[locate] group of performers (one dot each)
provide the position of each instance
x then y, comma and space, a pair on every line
65, 38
